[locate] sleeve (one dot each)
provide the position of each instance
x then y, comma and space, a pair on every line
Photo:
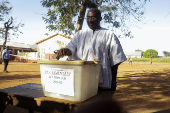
72, 46
116, 53
2, 56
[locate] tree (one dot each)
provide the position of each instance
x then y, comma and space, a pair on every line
138, 50
150, 53
4, 9
166, 54
8, 25
63, 14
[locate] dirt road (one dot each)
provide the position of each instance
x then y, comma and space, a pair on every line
142, 88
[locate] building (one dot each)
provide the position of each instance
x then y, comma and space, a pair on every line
47, 46
16, 47
137, 54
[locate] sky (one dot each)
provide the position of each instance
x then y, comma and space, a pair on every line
152, 33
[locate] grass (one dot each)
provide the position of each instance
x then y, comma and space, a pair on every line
156, 60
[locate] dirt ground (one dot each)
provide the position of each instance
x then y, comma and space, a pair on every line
142, 88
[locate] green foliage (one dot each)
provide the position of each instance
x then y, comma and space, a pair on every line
62, 15
138, 50
154, 60
5, 10
60, 44
150, 53
166, 54
140, 59
16, 29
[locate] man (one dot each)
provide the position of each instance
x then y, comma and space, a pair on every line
6, 57
97, 44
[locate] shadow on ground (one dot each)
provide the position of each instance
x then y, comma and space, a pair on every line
13, 77
147, 90
163, 111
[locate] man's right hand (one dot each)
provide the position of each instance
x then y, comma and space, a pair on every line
63, 52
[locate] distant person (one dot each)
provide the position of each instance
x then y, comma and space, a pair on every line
150, 60
130, 61
97, 44
6, 57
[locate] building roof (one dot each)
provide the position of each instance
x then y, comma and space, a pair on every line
139, 53
52, 37
19, 45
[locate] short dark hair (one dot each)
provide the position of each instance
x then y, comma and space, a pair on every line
98, 11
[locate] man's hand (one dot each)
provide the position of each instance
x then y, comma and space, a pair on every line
63, 52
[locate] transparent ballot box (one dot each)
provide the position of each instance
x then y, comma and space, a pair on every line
69, 80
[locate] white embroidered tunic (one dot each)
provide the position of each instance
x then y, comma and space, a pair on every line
103, 45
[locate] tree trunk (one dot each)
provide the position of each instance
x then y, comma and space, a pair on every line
6, 34
4, 44
81, 16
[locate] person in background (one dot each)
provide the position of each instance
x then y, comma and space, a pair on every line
130, 61
150, 60
6, 57
97, 44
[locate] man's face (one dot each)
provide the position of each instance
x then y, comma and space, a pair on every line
93, 20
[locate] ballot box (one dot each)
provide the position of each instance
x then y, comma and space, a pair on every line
69, 80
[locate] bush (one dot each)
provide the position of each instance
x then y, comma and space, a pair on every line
150, 53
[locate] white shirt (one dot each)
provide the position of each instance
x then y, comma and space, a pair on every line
6, 54
103, 46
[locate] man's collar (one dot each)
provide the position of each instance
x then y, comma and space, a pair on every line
97, 29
